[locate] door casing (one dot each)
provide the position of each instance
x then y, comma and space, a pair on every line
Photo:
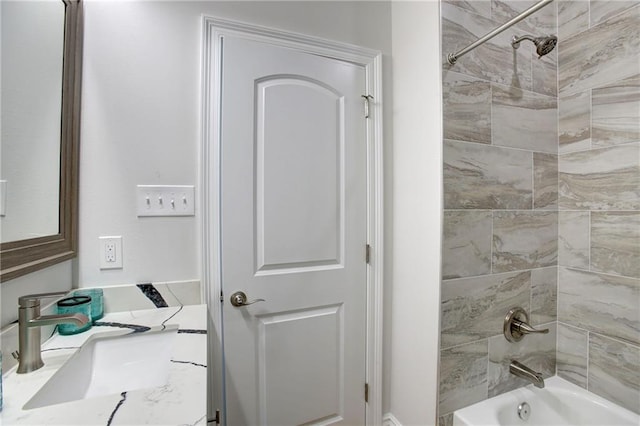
213, 32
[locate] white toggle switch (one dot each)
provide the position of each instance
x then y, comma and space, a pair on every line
160, 200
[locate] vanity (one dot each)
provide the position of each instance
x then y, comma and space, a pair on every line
88, 378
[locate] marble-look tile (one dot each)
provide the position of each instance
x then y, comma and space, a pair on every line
600, 179
481, 7
616, 113
486, 177
543, 21
474, 308
614, 372
446, 420
572, 354
601, 10
536, 351
494, 60
544, 295
573, 239
605, 304
573, 17
615, 243
574, 122
601, 55
467, 108
524, 120
466, 243
545, 73
545, 181
463, 376
524, 240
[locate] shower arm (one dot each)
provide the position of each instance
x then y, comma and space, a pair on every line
453, 57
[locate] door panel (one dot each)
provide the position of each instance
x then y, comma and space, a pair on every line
293, 232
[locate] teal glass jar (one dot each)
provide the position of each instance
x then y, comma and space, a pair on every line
74, 305
97, 304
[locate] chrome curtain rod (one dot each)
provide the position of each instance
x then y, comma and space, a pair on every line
453, 57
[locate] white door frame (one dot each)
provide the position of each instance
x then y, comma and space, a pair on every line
213, 32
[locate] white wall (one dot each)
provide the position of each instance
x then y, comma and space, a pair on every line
140, 117
414, 308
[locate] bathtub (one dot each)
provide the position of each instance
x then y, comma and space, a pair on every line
559, 403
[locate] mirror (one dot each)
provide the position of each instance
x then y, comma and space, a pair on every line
41, 76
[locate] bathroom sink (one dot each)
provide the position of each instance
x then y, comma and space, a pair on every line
108, 364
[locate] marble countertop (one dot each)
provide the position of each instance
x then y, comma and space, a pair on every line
181, 401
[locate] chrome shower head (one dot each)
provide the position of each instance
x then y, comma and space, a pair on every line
544, 45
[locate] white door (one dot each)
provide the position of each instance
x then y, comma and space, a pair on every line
293, 232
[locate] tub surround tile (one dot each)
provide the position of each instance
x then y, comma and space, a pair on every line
466, 243
474, 308
494, 60
524, 240
545, 181
601, 303
611, 56
536, 351
600, 179
481, 7
614, 372
467, 108
486, 177
544, 295
543, 21
524, 120
574, 122
446, 420
615, 243
601, 10
573, 17
572, 354
463, 376
573, 239
545, 74
616, 113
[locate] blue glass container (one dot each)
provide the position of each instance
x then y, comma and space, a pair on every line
74, 305
97, 304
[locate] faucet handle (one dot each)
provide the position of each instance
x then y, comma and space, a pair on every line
516, 325
33, 300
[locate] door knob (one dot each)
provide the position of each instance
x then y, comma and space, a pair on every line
240, 299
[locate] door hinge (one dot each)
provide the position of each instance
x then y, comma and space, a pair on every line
367, 253
367, 99
221, 296
366, 392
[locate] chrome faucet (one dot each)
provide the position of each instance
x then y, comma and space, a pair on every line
29, 323
525, 372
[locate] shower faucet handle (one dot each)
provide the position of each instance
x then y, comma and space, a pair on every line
516, 325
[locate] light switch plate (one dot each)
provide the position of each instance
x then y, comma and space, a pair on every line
166, 200
3, 197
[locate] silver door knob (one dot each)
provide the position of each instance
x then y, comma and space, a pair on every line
240, 299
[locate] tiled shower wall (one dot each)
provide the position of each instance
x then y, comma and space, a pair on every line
541, 168
599, 198
500, 241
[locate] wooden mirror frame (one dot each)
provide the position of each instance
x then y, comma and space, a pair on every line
21, 257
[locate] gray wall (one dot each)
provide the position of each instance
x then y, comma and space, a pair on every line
599, 198
542, 199
500, 200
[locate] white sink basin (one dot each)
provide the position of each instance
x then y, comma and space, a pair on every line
110, 364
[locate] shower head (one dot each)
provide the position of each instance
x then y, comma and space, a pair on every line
544, 45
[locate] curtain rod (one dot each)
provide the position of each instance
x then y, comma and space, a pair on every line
453, 57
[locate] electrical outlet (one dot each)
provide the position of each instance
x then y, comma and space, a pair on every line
110, 252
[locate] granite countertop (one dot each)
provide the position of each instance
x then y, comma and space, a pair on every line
181, 401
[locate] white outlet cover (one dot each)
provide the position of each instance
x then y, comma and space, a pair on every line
109, 260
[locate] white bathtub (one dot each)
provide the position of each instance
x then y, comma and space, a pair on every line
559, 403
